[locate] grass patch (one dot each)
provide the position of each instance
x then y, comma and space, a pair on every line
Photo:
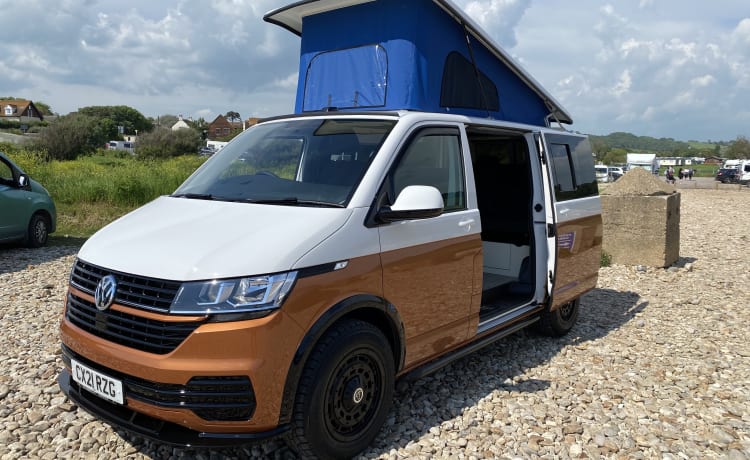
92, 191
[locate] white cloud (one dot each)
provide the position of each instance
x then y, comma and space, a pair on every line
623, 85
498, 17
650, 67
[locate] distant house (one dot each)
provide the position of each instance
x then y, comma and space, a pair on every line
221, 127
714, 161
19, 110
181, 124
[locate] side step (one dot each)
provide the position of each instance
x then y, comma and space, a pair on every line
438, 363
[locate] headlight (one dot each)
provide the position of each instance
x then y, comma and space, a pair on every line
239, 295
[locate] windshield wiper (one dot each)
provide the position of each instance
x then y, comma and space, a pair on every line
292, 201
195, 196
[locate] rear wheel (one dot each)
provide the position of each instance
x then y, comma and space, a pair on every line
560, 321
38, 231
345, 392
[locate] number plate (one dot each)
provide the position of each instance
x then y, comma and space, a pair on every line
101, 385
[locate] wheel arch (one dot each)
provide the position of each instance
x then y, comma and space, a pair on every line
369, 308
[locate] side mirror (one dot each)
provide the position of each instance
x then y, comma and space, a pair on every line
414, 202
23, 181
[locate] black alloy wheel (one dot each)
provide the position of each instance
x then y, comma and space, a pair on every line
345, 392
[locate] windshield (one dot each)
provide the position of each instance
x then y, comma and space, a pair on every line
291, 162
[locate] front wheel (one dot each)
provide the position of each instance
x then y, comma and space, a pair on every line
560, 321
345, 392
37, 232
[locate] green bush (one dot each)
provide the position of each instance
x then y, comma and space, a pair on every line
74, 135
165, 143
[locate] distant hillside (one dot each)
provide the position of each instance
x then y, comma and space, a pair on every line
663, 146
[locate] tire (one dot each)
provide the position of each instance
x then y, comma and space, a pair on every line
559, 322
344, 394
37, 232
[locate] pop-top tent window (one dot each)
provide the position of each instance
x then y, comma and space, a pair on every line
348, 78
462, 88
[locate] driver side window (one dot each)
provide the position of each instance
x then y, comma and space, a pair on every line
434, 158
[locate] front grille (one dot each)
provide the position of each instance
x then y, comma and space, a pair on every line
135, 291
210, 398
132, 331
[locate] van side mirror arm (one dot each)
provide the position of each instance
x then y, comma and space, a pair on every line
388, 215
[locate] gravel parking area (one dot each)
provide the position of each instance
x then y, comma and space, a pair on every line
657, 367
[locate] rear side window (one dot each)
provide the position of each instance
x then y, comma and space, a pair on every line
572, 167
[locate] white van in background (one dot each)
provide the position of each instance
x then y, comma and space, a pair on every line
744, 168
602, 173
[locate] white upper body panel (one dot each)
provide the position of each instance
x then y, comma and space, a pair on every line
183, 239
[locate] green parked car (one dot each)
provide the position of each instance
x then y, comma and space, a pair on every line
27, 211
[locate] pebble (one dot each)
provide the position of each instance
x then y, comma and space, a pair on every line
657, 367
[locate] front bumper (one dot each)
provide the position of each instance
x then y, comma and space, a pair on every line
152, 428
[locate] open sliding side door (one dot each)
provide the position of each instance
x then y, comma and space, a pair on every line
549, 211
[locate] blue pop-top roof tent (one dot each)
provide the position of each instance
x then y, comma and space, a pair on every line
408, 55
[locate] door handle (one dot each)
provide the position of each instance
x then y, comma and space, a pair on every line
466, 223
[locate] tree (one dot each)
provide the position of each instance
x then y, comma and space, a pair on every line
43, 108
75, 134
739, 149
163, 142
121, 115
165, 121
233, 117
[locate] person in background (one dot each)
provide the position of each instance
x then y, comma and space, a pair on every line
670, 175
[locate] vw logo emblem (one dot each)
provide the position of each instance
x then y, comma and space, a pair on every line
105, 292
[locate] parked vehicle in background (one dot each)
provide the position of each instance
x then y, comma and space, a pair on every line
731, 164
602, 173
615, 172
728, 176
27, 212
744, 171
646, 161
121, 145
206, 151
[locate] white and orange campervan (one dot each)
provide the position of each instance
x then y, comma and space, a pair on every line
415, 208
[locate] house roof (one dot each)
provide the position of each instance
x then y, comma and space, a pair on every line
180, 124
296, 16
21, 108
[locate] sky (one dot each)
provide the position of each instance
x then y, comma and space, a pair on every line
663, 68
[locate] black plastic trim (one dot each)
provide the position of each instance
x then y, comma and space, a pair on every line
151, 428
346, 307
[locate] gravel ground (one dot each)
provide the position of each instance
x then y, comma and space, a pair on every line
657, 367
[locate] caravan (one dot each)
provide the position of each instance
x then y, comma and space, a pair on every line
743, 168
401, 219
